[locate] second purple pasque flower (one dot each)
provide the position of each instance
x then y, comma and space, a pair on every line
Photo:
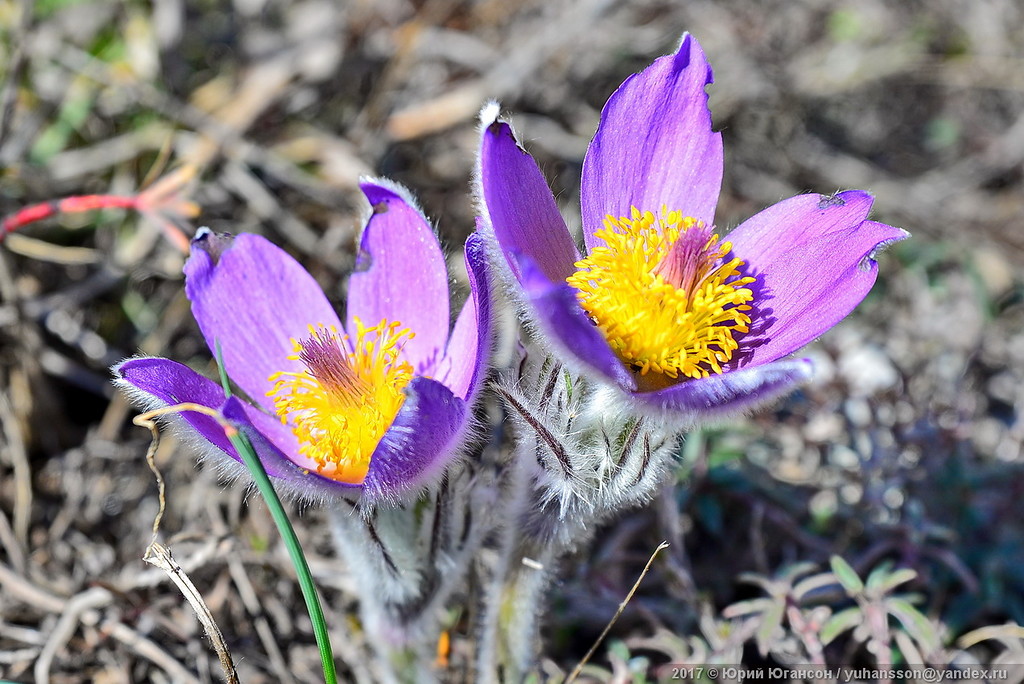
378, 406
661, 304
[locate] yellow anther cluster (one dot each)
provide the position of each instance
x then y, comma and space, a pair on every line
668, 302
341, 405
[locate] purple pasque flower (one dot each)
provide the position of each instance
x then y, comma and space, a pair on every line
378, 406
659, 304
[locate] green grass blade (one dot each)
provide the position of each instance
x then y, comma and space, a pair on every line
284, 525
223, 373
291, 541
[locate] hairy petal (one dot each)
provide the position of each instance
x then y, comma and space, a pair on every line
420, 444
519, 207
813, 258
162, 382
253, 298
565, 325
728, 393
464, 365
654, 145
401, 275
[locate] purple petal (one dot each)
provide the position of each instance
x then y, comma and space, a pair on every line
413, 452
729, 393
465, 362
794, 221
165, 383
252, 298
401, 275
654, 145
814, 270
520, 207
420, 444
564, 323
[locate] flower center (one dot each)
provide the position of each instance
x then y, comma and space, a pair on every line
664, 296
341, 405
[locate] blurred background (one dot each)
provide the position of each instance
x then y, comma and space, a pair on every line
905, 452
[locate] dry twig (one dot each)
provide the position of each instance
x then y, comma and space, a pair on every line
160, 556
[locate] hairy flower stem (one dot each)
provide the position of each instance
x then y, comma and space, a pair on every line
408, 563
579, 458
496, 569
380, 552
522, 607
516, 601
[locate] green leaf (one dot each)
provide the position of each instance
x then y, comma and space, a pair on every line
618, 648
722, 455
771, 621
757, 580
846, 576
790, 573
840, 622
845, 25
895, 579
749, 607
74, 112
916, 624
224, 382
878, 575
813, 583
45, 8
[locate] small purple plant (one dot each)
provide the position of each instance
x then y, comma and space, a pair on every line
378, 406
685, 322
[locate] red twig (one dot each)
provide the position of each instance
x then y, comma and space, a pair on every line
44, 210
161, 203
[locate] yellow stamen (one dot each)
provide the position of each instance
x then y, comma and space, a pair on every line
341, 405
664, 295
